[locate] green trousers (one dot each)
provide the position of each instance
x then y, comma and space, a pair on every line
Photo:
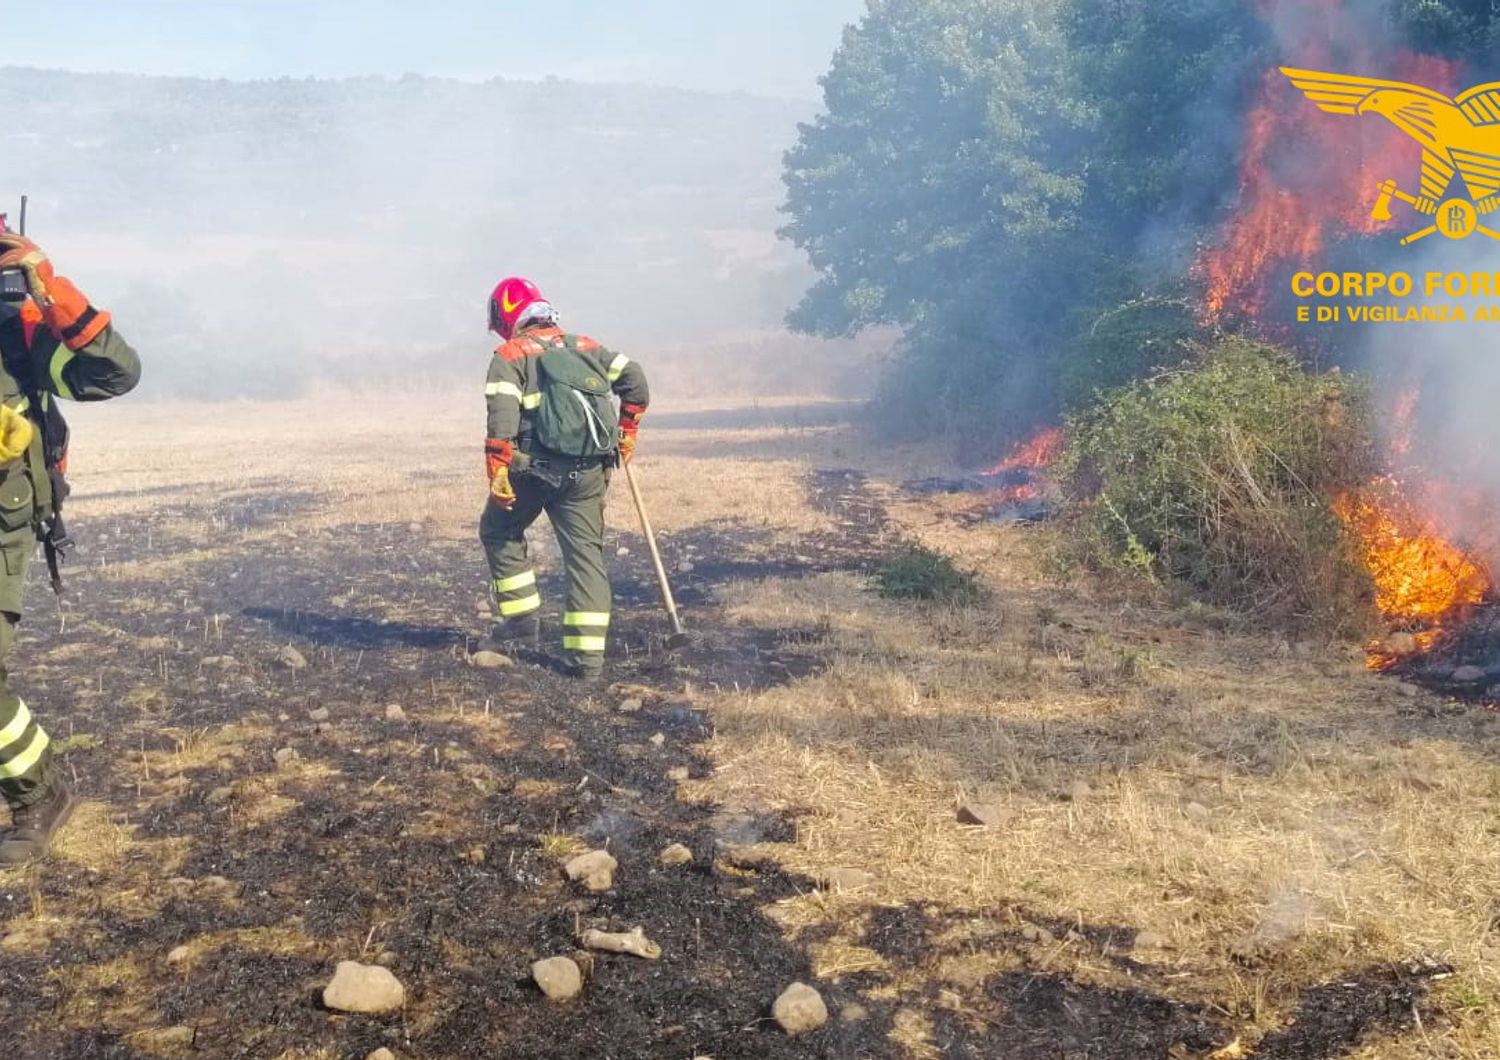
572, 495
25, 751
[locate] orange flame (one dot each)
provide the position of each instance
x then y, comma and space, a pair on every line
1306, 176
1036, 453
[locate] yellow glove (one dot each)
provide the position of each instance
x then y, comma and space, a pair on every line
18, 252
16, 433
501, 491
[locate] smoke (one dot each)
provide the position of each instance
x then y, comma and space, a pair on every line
256, 238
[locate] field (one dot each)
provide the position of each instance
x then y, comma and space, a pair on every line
1207, 842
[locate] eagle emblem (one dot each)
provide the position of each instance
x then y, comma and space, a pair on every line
1460, 140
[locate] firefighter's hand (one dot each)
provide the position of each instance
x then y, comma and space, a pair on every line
501, 491
16, 433
18, 252
630, 429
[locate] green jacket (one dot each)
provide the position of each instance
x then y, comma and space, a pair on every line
513, 387
35, 368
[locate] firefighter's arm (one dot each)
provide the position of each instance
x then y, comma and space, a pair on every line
90, 362
104, 367
503, 390
628, 379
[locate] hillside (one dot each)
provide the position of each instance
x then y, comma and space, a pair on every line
279, 228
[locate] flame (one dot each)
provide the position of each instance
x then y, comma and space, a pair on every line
1420, 576
1023, 473
1306, 176
1036, 453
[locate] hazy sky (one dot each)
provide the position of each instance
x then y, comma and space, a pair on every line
777, 47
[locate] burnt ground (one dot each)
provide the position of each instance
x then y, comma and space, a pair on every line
433, 843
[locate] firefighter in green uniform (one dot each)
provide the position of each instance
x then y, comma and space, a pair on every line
554, 439
54, 344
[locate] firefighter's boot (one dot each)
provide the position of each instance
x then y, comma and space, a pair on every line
35, 826
523, 631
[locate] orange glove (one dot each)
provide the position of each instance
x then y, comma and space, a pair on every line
630, 429
497, 457
64, 308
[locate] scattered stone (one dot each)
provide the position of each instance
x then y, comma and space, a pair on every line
595, 870
800, 1009
558, 977
1196, 811
1078, 791
220, 795
395, 713
854, 1012
1150, 940
291, 659
631, 706
686, 567
323, 728
635, 943
676, 854
321, 714
1469, 675
179, 955
1401, 644
847, 879
171, 1039
476, 856
286, 757
367, 989
984, 814
1038, 934
386, 958
622, 552
658, 741
381, 1054
680, 774
491, 660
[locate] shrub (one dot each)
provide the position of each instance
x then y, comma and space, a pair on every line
918, 573
1219, 475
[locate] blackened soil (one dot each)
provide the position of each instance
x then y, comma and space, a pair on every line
432, 843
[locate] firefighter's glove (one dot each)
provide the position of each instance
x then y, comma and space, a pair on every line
498, 455
64, 307
16, 433
630, 429
18, 252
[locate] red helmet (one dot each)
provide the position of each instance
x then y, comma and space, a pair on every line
509, 304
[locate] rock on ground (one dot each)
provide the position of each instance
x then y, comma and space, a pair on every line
558, 977
984, 814
381, 1054
490, 660
1469, 675
367, 989
285, 757
676, 854
800, 1009
321, 714
394, 712
633, 942
846, 879
595, 870
290, 658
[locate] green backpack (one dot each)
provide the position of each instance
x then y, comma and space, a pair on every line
577, 415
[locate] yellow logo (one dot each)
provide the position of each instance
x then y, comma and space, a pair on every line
1459, 137
507, 304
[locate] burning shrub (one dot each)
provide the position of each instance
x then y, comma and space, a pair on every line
1220, 476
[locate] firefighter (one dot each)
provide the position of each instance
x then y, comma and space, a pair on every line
53, 344
554, 440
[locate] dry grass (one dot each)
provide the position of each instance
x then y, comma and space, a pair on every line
1246, 799
1274, 815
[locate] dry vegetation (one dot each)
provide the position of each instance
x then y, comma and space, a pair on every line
1208, 831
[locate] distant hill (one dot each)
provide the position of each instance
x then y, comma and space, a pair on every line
260, 235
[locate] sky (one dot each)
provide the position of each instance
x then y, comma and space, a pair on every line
766, 47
